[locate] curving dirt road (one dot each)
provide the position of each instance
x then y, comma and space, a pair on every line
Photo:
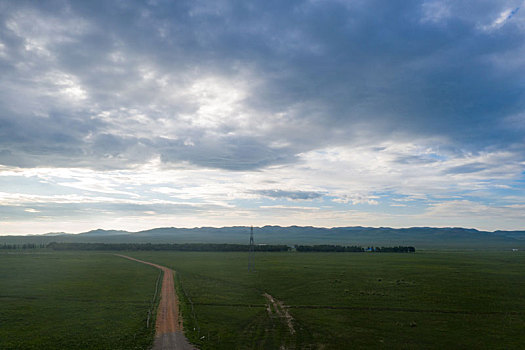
168, 328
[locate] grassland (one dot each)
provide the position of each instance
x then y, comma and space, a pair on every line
426, 300
430, 300
74, 301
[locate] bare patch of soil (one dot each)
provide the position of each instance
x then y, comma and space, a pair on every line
277, 308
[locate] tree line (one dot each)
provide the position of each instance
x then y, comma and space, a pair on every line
398, 249
187, 247
220, 247
328, 248
208, 247
353, 249
22, 246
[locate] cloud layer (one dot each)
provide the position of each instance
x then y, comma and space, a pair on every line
363, 112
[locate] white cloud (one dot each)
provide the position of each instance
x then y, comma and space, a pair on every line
435, 11
40, 31
288, 207
391, 172
502, 18
3, 50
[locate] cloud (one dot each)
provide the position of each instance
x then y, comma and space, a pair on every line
357, 199
219, 86
435, 11
286, 207
291, 195
232, 153
452, 210
466, 168
225, 103
503, 17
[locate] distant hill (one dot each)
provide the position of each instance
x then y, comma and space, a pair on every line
101, 232
422, 237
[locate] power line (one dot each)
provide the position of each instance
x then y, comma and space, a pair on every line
251, 252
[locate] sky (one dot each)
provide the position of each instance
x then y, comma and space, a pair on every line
139, 114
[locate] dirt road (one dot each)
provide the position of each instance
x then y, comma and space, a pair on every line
168, 328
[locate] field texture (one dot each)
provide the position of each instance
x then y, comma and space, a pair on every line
426, 300
74, 301
430, 300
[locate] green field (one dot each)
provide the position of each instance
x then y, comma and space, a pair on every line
74, 301
429, 300
426, 300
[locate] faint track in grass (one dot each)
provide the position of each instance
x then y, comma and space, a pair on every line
168, 328
400, 309
368, 308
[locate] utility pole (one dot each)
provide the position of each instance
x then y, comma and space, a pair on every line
251, 252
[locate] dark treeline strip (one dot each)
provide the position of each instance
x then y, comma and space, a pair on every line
353, 249
328, 248
213, 247
22, 246
398, 249
188, 247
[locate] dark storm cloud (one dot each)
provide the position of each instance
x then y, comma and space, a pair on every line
292, 195
235, 153
339, 73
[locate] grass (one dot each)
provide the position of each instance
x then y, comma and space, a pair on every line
425, 300
74, 301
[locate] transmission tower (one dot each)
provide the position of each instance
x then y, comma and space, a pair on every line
251, 258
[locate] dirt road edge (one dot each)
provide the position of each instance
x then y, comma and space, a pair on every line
168, 326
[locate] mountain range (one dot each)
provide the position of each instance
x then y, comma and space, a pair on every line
423, 237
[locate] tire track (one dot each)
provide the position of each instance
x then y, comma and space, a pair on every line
371, 308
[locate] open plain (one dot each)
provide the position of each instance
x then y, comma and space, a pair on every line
430, 299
